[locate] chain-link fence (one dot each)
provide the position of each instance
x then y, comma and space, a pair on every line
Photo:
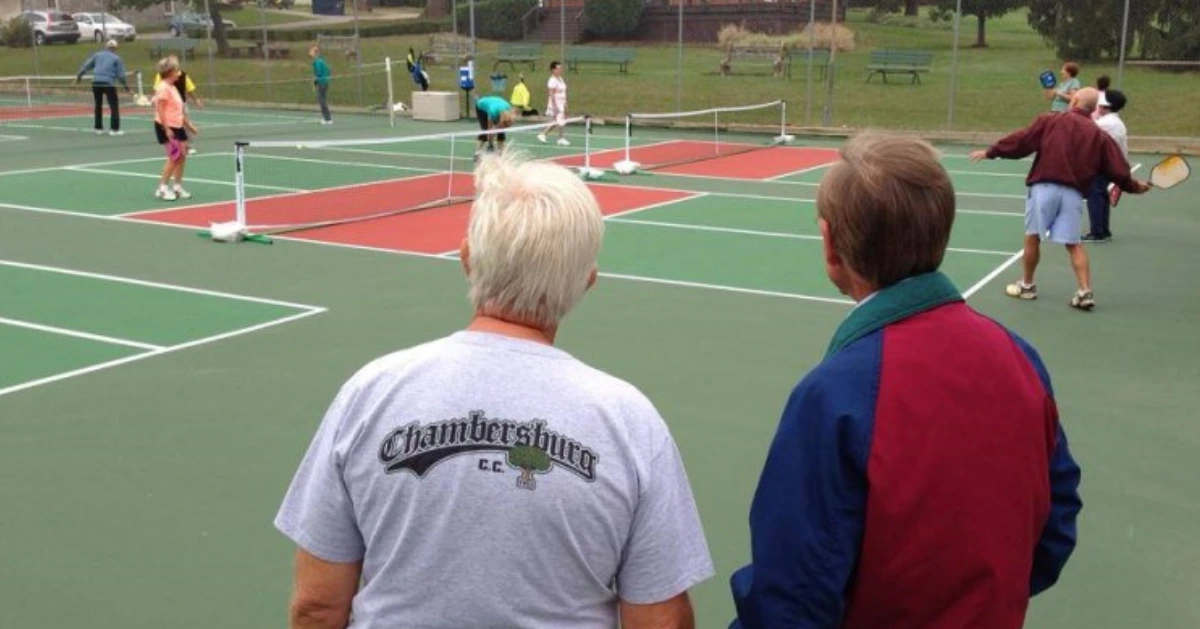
836, 63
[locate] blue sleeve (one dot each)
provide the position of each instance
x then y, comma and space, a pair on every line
1059, 535
806, 520
87, 65
121, 72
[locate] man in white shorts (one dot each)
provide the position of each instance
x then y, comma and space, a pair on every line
1071, 151
556, 104
488, 479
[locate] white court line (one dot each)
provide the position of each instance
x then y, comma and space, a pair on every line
801, 171
159, 352
975, 173
173, 287
48, 169
111, 340
767, 234
817, 185
123, 173
731, 289
991, 276
254, 156
13, 138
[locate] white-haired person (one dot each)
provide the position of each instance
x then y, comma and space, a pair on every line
488, 478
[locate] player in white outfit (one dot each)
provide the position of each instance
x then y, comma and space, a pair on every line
556, 104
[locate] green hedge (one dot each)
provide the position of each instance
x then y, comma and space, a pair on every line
365, 29
613, 18
495, 19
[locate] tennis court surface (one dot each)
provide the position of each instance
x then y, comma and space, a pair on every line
159, 388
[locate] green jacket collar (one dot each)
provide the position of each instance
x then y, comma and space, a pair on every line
898, 301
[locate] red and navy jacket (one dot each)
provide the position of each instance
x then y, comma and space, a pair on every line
918, 478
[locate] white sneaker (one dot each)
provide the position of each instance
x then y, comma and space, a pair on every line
116, 133
563, 142
181, 193
99, 131
542, 138
167, 194
191, 151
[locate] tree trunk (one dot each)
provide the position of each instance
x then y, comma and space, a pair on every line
218, 28
981, 32
912, 7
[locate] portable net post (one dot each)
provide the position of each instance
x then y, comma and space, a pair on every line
627, 166
587, 172
391, 95
236, 230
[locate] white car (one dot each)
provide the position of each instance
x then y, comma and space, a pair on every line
103, 26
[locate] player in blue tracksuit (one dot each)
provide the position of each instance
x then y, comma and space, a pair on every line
919, 476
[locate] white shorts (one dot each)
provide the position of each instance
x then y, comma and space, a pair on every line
558, 114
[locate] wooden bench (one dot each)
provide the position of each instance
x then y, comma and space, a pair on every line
912, 62
777, 57
513, 54
446, 49
181, 46
620, 57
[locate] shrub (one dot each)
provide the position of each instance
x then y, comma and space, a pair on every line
495, 19
16, 33
612, 18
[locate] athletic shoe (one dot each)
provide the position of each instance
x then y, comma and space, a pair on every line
181, 193
1021, 291
116, 133
1096, 239
99, 131
168, 195
542, 138
191, 150
563, 142
1083, 300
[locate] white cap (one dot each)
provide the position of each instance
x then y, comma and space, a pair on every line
112, 43
1103, 102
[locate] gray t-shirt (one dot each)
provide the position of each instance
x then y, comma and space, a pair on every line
487, 481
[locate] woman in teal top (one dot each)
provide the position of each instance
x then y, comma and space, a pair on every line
1060, 98
493, 112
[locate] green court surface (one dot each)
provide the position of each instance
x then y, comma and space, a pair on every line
158, 390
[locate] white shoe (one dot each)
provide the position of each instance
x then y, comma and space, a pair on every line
167, 194
191, 151
99, 131
116, 133
563, 142
158, 192
181, 193
542, 138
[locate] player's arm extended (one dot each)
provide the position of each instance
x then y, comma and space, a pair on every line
1020, 144
323, 592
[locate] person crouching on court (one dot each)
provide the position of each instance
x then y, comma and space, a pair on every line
488, 478
493, 112
170, 128
919, 476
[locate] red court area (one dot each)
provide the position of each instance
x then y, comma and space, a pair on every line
710, 159
434, 230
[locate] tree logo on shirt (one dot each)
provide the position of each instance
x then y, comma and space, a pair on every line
528, 459
529, 446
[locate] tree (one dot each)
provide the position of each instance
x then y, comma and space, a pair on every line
528, 459
982, 10
1090, 29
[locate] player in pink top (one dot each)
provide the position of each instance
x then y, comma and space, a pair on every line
171, 127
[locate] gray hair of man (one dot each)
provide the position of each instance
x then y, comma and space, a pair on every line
533, 240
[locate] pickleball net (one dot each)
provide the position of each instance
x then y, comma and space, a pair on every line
699, 135
291, 185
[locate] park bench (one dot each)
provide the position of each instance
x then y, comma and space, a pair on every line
446, 49
886, 62
777, 57
183, 47
513, 54
577, 55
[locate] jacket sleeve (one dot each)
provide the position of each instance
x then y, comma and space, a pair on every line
1059, 534
1114, 165
120, 70
807, 515
87, 65
1021, 143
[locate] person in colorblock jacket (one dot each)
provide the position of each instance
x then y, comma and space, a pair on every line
919, 476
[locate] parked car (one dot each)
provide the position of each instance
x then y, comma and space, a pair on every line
102, 26
51, 26
193, 24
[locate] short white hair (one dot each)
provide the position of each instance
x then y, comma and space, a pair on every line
534, 238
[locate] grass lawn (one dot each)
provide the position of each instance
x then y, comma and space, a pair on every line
997, 86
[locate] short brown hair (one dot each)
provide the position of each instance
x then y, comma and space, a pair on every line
1072, 68
890, 206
